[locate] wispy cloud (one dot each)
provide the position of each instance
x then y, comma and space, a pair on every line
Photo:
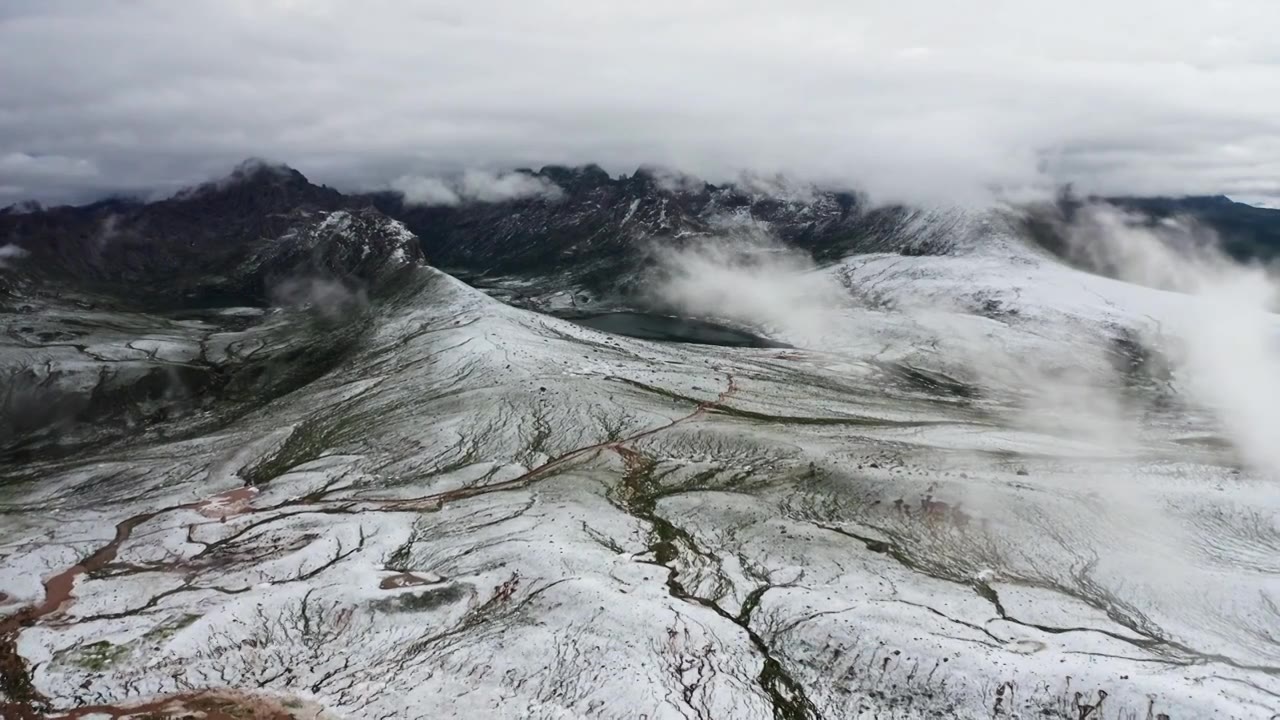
474, 186
9, 253
1224, 345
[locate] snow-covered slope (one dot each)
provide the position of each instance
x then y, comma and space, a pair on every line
485, 512
84, 366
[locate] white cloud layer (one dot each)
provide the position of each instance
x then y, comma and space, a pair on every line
910, 99
497, 187
425, 191
38, 168
9, 253
474, 186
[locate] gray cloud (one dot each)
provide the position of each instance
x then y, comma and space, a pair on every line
42, 171
425, 191
910, 99
9, 253
496, 187
474, 186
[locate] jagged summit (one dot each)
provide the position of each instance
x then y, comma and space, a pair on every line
256, 167
227, 238
266, 181
576, 179
1245, 232
22, 208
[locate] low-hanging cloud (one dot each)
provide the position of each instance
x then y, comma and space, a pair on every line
744, 276
427, 191
922, 100
674, 181
475, 186
498, 187
330, 299
1211, 333
9, 253
20, 165
1224, 347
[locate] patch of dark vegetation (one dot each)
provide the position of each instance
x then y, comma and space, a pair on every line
725, 409
46, 414
929, 382
851, 420
424, 600
667, 328
308, 440
19, 698
1140, 363
1208, 442
638, 494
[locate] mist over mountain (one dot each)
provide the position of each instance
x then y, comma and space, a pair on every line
581, 225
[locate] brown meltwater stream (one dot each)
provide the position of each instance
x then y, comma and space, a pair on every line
15, 678
24, 701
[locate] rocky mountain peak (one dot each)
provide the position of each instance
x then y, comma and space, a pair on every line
229, 238
260, 185
576, 180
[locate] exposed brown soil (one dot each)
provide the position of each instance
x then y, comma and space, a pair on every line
208, 705
27, 703
228, 504
402, 580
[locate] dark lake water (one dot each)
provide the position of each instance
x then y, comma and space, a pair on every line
673, 329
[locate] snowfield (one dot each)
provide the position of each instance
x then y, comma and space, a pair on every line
945, 501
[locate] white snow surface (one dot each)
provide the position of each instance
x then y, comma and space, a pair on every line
591, 526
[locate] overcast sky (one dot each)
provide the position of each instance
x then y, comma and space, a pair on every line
932, 100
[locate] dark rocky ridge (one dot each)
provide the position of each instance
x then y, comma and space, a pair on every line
1244, 232
226, 241
223, 243
111, 318
229, 242
600, 233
